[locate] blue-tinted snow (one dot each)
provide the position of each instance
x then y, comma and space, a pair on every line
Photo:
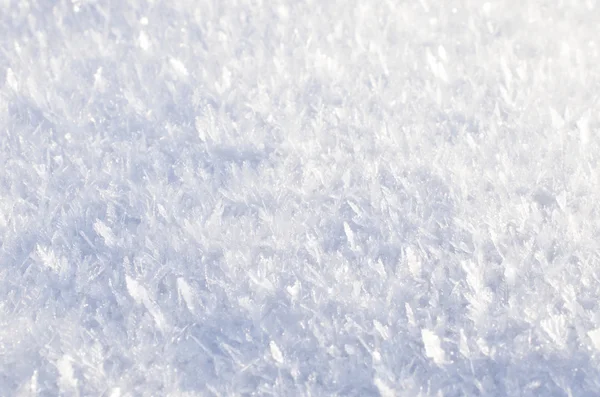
299, 198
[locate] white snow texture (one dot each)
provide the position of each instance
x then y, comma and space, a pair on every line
299, 198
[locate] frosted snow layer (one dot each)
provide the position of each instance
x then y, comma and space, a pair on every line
299, 198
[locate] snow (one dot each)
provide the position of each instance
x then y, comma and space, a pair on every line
299, 197
433, 347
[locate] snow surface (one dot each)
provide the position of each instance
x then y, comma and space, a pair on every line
299, 198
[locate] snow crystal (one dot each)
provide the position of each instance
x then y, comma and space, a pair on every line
433, 347
595, 337
11, 80
144, 41
384, 389
177, 65
275, 352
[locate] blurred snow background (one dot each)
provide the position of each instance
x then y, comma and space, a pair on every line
299, 198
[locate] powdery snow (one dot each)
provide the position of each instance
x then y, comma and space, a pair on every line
299, 198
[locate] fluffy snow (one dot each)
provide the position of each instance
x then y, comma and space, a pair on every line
299, 198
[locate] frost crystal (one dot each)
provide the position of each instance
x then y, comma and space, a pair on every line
433, 347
